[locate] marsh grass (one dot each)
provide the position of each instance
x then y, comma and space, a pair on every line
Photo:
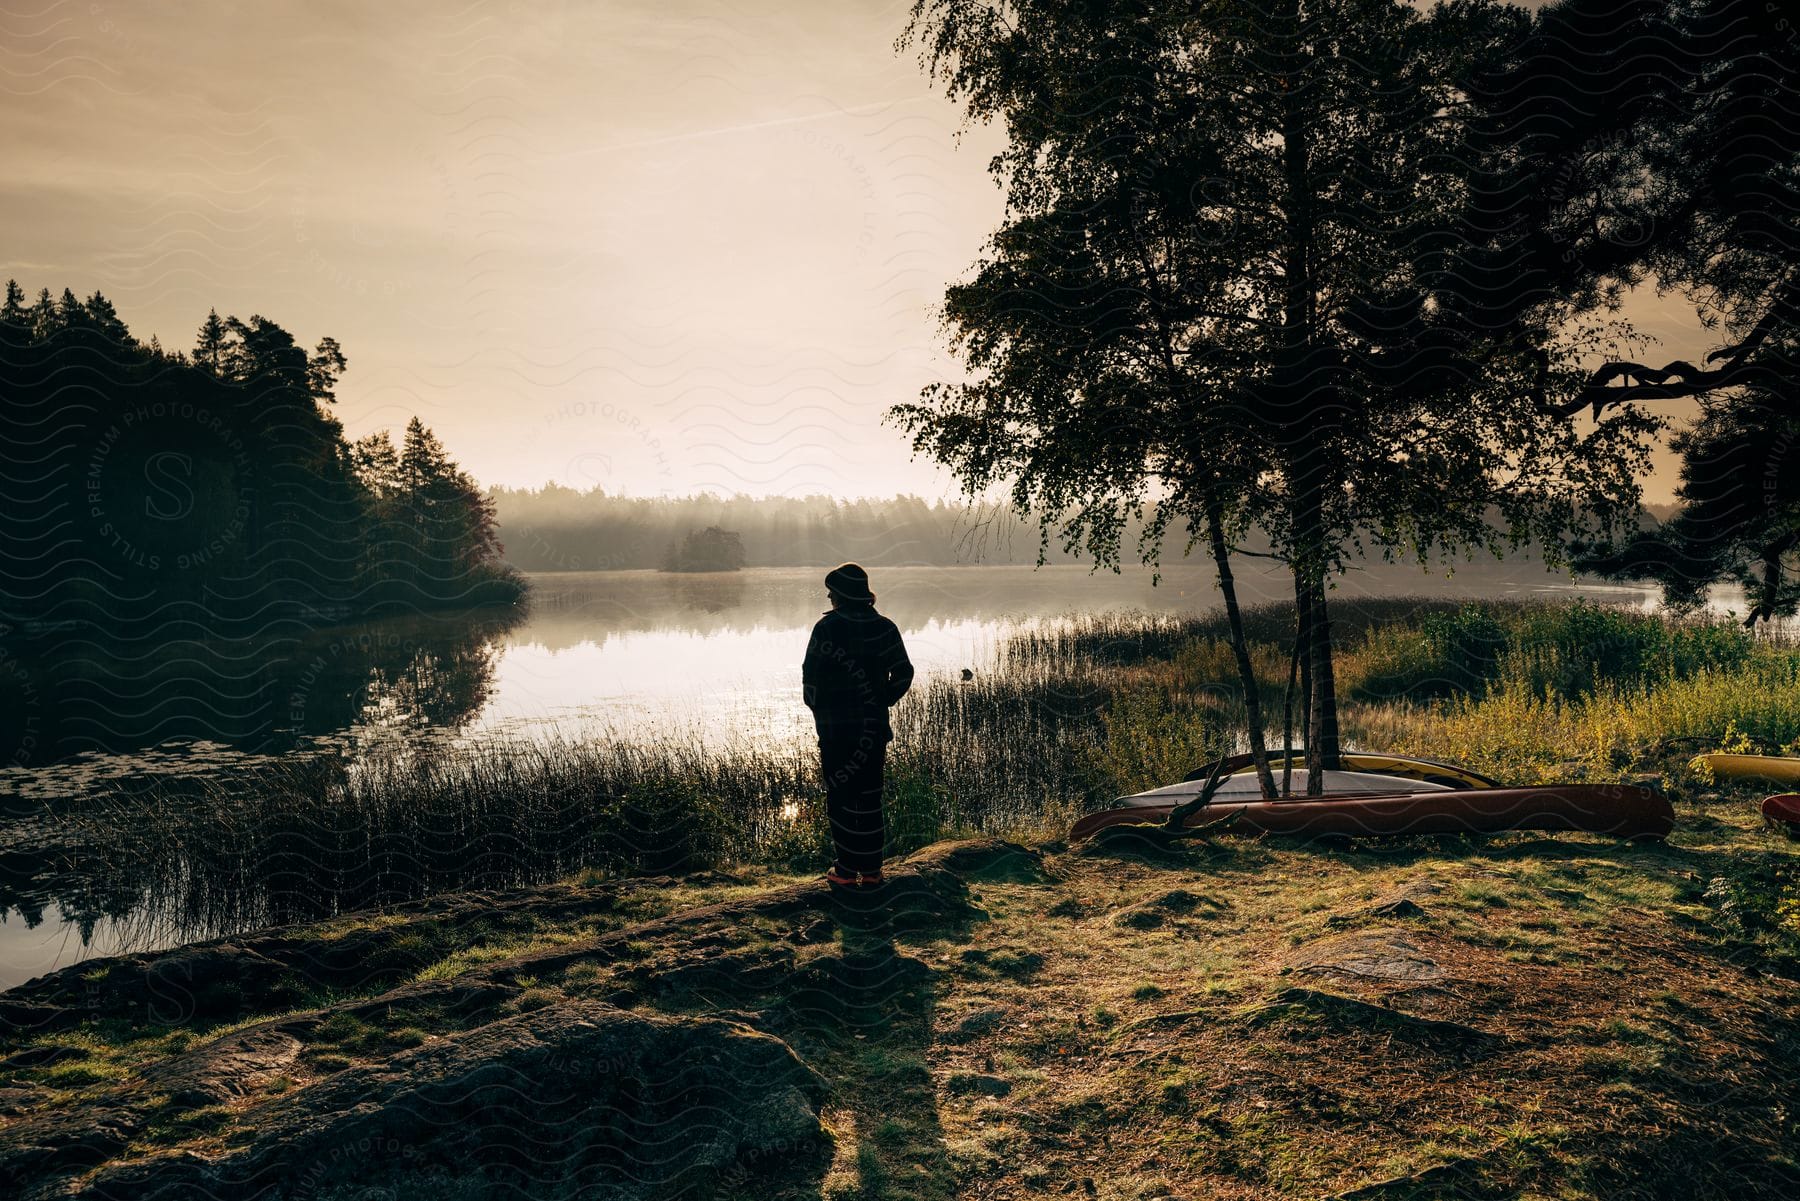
1064, 718
1009, 751
1527, 732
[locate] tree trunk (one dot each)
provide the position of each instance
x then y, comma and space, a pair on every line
1259, 752
1325, 685
1310, 566
1305, 401
1287, 703
1322, 745
1315, 763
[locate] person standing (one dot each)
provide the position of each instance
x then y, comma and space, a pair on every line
855, 669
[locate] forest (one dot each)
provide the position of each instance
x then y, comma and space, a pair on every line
557, 528
138, 480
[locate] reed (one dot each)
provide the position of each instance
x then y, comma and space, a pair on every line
1012, 751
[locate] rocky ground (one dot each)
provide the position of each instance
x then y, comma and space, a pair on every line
1522, 1016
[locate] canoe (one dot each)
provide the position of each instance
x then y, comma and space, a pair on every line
1404, 766
1243, 786
1754, 767
1783, 812
1622, 810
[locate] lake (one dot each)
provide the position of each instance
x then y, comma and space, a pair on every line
593, 655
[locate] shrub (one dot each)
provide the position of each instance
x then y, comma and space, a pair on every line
1150, 742
1696, 645
1571, 650
1467, 644
1394, 662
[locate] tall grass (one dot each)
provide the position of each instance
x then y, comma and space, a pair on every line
1063, 718
1014, 750
1526, 734
1562, 649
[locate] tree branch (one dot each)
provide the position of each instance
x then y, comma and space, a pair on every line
1680, 379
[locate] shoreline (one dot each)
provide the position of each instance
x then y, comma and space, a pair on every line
1067, 719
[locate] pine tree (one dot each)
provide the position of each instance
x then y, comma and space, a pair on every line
1678, 160
323, 370
423, 462
377, 465
104, 317
261, 350
1740, 514
210, 347
12, 312
70, 312
42, 316
450, 521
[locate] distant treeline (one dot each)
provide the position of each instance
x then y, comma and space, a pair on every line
139, 484
562, 529
555, 528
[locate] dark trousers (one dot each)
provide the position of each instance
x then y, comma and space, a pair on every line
853, 757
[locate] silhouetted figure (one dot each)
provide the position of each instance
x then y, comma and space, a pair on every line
856, 666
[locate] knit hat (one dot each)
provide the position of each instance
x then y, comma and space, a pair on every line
849, 581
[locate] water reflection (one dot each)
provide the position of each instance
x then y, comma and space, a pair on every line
710, 593
92, 714
97, 708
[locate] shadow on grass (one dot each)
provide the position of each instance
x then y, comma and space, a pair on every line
860, 1012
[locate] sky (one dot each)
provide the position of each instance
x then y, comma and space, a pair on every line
658, 246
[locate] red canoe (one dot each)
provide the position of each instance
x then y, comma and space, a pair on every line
1623, 810
1783, 810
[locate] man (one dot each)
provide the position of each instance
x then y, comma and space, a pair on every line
856, 666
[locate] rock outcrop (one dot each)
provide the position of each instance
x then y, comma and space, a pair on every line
578, 1099
551, 1072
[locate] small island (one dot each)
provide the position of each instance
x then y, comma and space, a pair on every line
710, 549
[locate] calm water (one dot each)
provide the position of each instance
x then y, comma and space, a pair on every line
605, 654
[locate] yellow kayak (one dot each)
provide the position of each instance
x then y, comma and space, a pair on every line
1753, 767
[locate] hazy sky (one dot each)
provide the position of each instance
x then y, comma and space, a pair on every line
656, 246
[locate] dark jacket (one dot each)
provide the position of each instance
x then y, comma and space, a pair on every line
856, 666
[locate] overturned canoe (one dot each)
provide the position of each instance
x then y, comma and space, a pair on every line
1783, 812
1754, 767
1622, 810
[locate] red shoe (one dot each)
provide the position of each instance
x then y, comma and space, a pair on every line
848, 879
